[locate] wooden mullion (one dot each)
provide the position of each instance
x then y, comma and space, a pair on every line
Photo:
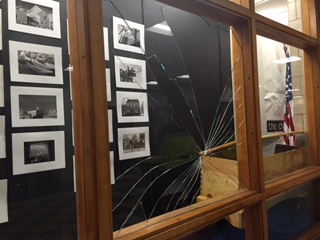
256, 216
90, 119
276, 31
300, 177
77, 112
190, 218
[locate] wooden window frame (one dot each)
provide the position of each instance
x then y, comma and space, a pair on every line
91, 128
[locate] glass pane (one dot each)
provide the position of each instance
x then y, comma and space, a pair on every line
221, 229
173, 104
286, 12
290, 213
37, 193
283, 110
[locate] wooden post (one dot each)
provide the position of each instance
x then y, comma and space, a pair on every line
90, 119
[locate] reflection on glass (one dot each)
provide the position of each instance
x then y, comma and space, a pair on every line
282, 104
290, 213
285, 12
186, 124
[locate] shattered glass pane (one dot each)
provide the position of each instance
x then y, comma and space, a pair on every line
174, 110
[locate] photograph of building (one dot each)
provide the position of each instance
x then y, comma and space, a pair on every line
37, 152
34, 15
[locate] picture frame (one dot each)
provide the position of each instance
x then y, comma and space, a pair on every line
34, 63
110, 125
106, 43
4, 216
128, 35
130, 73
37, 152
23, 16
33, 106
133, 142
3, 153
132, 107
108, 84
112, 175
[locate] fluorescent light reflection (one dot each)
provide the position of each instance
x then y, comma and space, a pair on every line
287, 60
161, 28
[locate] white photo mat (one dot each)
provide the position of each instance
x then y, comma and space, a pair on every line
127, 113
106, 43
130, 149
17, 107
117, 23
127, 65
108, 84
112, 167
4, 201
110, 124
16, 76
0, 29
15, 14
18, 152
1, 86
3, 137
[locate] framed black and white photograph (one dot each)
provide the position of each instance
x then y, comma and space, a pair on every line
133, 142
0, 29
110, 125
35, 17
33, 107
3, 137
37, 152
1, 86
128, 36
132, 107
108, 84
4, 201
130, 73
106, 43
112, 167
35, 63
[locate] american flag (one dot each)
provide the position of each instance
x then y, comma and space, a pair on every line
288, 111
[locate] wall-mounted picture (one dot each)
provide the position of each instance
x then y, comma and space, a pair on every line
128, 36
4, 201
2, 137
34, 107
1, 86
133, 142
106, 43
108, 84
132, 107
130, 73
35, 17
112, 167
110, 124
37, 152
0, 29
35, 63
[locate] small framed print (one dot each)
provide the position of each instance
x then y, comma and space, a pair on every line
133, 142
33, 107
35, 63
35, 17
108, 85
110, 125
128, 36
106, 43
130, 73
132, 107
37, 152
